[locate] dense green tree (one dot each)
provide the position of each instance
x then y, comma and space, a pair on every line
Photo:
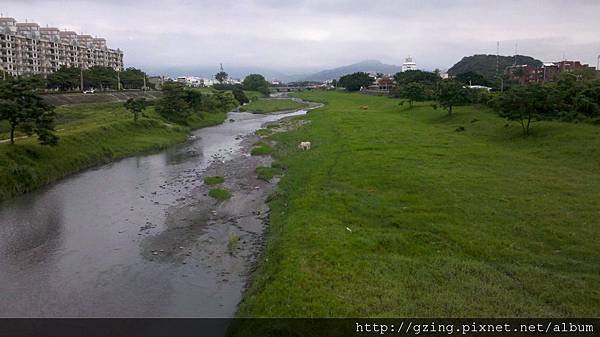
452, 93
195, 100
528, 103
25, 110
354, 82
64, 79
419, 76
240, 96
221, 76
173, 105
100, 77
225, 101
256, 82
133, 78
412, 92
472, 78
136, 106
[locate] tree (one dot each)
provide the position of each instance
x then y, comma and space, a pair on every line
452, 93
256, 82
136, 106
412, 92
240, 96
173, 105
133, 78
26, 110
64, 79
472, 78
100, 77
420, 76
527, 103
354, 82
221, 76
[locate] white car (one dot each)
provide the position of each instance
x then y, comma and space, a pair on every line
90, 91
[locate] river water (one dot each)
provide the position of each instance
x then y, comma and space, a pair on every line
75, 248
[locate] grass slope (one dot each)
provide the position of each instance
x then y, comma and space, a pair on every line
265, 105
90, 134
394, 214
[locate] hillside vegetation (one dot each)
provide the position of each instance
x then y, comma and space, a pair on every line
486, 64
395, 213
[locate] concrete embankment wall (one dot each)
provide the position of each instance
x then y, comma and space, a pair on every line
98, 97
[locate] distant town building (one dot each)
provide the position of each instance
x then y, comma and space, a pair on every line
548, 72
27, 49
409, 64
157, 81
479, 87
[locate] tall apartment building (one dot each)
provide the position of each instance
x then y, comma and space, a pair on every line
27, 49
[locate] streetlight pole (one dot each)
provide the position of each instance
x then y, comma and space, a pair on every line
118, 79
81, 78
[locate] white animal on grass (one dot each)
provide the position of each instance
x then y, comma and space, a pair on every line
304, 146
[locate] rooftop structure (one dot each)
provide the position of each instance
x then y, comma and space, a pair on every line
28, 49
409, 64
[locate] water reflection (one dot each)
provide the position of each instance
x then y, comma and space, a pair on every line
40, 233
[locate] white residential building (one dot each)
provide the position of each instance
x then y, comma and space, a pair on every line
409, 64
27, 49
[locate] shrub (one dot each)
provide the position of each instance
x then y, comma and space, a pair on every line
214, 180
219, 194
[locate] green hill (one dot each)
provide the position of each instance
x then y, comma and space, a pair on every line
486, 64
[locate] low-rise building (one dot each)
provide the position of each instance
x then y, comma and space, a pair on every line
548, 72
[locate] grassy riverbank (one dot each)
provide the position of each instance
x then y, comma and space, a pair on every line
266, 105
393, 213
90, 134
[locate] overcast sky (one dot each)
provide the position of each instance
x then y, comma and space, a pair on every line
302, 35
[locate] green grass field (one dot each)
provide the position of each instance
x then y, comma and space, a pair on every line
90, 134
266, 105
393, 213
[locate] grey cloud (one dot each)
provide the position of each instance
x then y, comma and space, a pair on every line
306, 34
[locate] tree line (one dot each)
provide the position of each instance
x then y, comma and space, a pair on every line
570, 98
97, 77
24, 109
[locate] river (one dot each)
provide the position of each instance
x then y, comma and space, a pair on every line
88, 245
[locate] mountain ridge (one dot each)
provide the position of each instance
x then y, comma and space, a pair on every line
364, 66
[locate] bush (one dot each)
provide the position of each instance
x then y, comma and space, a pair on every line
219, 194
214, 180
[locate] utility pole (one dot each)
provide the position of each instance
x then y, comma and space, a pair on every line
144, 87
119, 79
498, 60
81, 77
